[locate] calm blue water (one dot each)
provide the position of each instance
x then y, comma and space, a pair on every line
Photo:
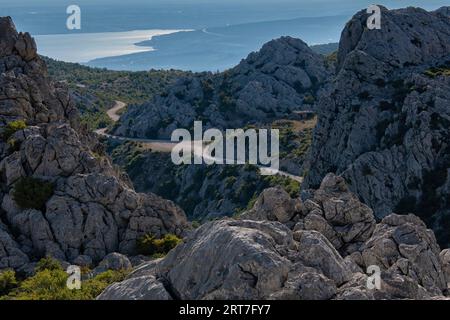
84, 47
226, 31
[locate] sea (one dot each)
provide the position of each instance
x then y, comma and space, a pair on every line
196, 35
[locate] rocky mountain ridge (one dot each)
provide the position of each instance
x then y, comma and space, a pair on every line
383, 127
384, 121
59, 193
283, 77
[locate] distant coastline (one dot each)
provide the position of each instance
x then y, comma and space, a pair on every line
84, 47
220, 48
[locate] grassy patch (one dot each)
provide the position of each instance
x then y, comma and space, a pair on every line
150, 245
11, 128
443, 70
50, 283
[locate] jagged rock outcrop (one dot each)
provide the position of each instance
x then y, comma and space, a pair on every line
249, 259
384, 123
331, 210
402, 243
274, 204
284, 76
92, 210
113, 261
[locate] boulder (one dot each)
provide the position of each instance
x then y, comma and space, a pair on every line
273, 204
245, 260
403, 245
113, 261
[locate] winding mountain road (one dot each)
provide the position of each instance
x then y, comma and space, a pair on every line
167, 145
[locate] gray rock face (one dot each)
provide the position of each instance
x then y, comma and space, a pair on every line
10, 254
248, 259
445, 258
332, 210
136, 288
403, 243
268, 84
93, 210
384, 122
274, 204
410, 36
113, 261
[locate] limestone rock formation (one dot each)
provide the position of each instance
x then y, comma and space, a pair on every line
331, 210
273, 204
312, 259
113, 261
284, 76
92, 210
384, 122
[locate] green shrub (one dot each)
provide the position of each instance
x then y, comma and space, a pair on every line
229, 181
48, 263
158, 255
443, 70
7, 281
149, 245
309, 99
195, 224
44, 285
252, 202
52, 285
291, 186
32, 193
93, 287
12, 127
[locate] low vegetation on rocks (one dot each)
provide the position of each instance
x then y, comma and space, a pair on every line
11, 128
151, 246
318, 247
8, 281
60, 195
375, 161
442, 70
50, 283
94, 90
